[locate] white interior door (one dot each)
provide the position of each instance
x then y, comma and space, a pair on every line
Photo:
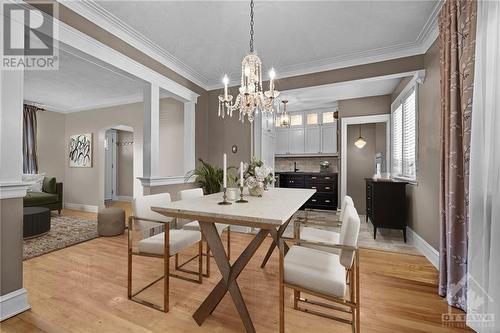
110, 165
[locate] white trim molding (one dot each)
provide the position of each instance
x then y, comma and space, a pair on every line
425, 248
81, 207
162, 181
126, 198
380, 118
9, 190
13, 303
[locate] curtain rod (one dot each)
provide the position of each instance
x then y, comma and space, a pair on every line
38, 106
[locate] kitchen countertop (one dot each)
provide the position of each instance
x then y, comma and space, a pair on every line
307, 172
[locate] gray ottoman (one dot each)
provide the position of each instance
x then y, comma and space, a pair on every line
111, 222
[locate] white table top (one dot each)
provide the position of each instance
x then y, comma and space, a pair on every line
274, 208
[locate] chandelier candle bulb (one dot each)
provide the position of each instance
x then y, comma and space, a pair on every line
225, 80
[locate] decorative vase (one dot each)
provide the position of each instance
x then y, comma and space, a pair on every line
232, 193
256, 191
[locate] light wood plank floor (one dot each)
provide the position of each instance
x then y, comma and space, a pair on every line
83, 289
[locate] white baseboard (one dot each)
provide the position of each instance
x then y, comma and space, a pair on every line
123, 198
82, 207
13, 303
425, 248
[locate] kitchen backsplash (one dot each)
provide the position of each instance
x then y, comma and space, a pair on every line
305, 164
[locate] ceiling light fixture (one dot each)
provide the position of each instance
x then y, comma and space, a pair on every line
360, 142
251, 97
284, 118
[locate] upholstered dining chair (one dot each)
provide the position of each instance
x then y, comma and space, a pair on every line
310, 229
194, 225
151, 235
330, 276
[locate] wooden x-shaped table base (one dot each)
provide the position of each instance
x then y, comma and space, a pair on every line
231, 272
275, 244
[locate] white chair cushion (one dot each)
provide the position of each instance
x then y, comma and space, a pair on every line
315, 270
179, 240
194, 225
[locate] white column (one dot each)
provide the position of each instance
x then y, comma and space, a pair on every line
151, 144
11, 131
189, 136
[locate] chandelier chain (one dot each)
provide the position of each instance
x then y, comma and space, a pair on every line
251, 26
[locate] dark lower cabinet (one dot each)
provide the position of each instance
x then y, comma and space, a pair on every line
386, 204
325, 185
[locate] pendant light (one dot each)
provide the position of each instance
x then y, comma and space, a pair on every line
360, 142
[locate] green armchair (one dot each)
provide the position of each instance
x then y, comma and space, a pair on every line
51, 196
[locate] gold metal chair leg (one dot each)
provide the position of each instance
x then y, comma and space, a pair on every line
166, 268
281, 288
296, 297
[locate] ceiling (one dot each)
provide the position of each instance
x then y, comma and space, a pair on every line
328, 95
79, 85
205, 39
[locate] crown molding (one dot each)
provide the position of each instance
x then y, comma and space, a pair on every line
95, 13
98, 15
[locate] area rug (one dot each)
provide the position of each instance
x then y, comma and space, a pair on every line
387, 239
64, 231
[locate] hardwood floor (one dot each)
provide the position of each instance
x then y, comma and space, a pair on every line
83, 288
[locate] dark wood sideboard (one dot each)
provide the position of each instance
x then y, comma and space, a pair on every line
386, 204
325, 185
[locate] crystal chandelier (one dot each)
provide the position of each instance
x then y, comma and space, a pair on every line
251, 97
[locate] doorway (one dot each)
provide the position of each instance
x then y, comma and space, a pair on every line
350, 153
119, 161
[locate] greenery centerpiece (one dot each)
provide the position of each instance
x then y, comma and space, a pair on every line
257, 176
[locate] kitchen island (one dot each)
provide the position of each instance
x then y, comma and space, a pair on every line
325, 184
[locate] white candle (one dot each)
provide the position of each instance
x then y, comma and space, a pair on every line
225, 81
241, 174
224, 167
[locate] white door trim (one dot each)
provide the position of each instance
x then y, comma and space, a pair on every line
380, 118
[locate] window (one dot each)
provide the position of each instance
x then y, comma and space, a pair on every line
296, 120
312, 119
404, 137
328, 117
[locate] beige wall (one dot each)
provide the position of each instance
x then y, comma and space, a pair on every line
423, 198
11, 245
171, 137
51, 149
366, 106
361, 162
124, 164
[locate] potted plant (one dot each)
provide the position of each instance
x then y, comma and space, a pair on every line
209, 177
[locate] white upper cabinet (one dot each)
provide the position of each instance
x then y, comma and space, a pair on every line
281, 141
311, 132
312, 140
329, 138
296, 141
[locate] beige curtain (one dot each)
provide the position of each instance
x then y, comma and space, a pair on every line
457, 34
30, 162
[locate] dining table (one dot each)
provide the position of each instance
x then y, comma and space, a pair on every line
270, 214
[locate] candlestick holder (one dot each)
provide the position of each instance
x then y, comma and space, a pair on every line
224, 198
241, 200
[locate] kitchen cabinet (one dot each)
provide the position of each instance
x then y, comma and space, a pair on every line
329, 138
312, 139
296, 140
325, 185
310, 133
281, 141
